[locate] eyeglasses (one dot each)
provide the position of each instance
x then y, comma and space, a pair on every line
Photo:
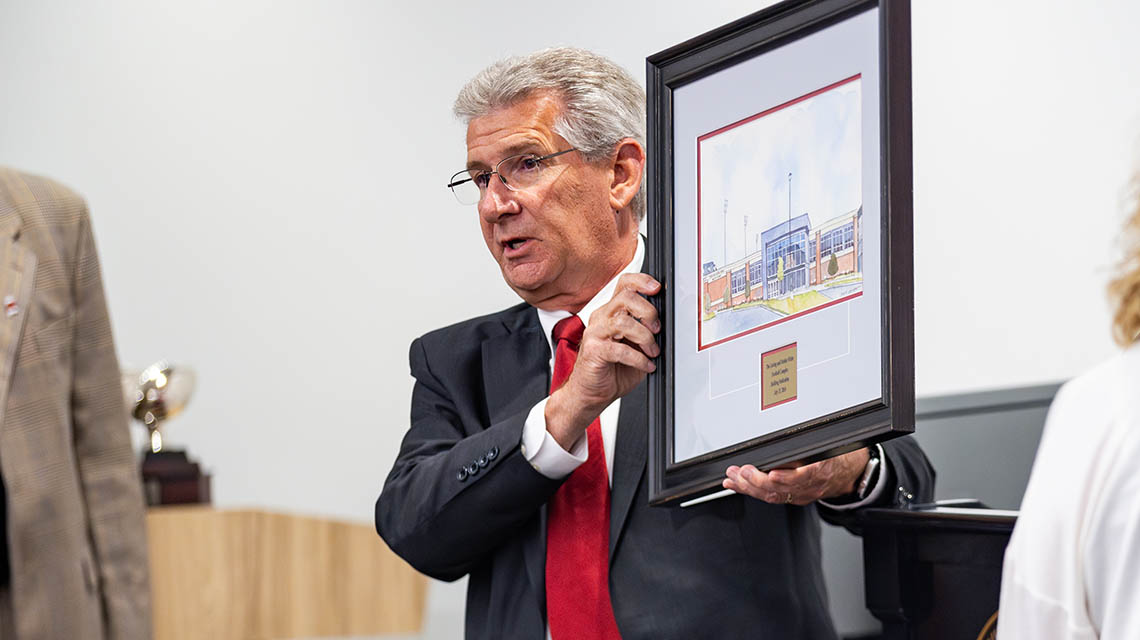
516, 172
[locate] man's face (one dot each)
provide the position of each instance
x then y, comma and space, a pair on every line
557, 242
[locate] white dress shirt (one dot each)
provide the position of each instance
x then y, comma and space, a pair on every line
538, 446
1072, 568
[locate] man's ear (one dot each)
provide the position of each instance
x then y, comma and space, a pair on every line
629, 168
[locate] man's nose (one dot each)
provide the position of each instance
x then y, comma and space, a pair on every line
497, 201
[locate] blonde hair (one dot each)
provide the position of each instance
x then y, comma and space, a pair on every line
1124, 290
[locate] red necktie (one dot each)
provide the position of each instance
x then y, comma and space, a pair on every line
578, 526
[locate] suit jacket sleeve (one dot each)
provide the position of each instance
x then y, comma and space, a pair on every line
909, 471
907, 468
107, 468
432, 512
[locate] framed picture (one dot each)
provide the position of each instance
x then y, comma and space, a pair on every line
779, 184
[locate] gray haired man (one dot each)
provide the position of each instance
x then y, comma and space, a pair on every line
524, 466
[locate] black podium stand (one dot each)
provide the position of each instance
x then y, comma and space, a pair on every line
935, 573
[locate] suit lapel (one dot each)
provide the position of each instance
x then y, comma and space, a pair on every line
17, 275
516, 376
629, 460
515, 370
629, 455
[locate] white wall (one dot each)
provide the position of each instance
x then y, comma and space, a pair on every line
267, 185
1026, 123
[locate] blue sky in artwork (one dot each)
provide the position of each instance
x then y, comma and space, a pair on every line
817, 140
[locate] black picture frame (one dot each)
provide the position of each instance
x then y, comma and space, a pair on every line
837, 432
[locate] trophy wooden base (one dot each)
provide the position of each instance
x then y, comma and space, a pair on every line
169, 477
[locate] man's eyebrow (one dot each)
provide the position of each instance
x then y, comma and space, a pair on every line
515, 149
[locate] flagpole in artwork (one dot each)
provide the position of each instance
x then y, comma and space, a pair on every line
789, 203
788, 244
724, 229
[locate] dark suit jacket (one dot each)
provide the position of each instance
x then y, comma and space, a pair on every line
729, 567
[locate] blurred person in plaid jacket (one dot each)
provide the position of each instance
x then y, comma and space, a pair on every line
74, 562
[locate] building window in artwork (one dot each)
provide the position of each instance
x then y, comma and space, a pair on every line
738, 282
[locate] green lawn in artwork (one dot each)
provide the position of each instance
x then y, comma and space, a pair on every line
797, 303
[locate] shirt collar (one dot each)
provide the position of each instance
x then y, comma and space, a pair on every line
551, 318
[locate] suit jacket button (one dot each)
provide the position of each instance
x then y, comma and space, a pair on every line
472, 469
493, 453
482, 462
462, 475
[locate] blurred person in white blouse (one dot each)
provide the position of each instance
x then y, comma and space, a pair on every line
1072, 568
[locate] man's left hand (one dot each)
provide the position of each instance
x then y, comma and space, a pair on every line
801, 485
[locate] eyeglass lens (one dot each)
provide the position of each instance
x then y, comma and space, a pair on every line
516, 172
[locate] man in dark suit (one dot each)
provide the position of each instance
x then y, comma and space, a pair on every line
525, 463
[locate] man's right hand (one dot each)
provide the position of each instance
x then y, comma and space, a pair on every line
616, 353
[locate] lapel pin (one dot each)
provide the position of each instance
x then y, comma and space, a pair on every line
11, 307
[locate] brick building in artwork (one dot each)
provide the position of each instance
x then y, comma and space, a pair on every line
792, 257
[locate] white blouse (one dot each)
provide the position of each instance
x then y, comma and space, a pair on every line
1072, 568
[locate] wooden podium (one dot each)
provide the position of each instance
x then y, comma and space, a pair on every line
251, 575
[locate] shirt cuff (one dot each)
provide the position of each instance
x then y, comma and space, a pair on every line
544, 453
873, 492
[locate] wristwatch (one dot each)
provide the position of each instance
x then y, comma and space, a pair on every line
870, 472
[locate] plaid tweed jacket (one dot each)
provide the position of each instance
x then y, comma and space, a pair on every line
76, 530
